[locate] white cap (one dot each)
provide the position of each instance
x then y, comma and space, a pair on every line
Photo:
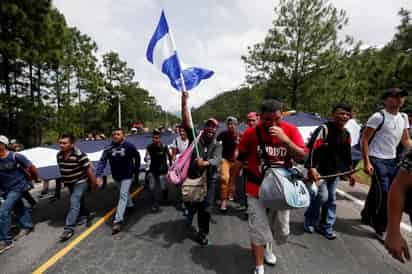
134, 129
4, 140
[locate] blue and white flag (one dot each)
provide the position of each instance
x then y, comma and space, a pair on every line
162, 53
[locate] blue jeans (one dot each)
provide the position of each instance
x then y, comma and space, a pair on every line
124, 200
324, 199
157, 185
76, 204
375, 210
14, 203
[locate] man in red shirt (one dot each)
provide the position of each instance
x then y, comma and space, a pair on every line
283, 143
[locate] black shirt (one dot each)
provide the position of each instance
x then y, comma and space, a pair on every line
158, 159
330, 150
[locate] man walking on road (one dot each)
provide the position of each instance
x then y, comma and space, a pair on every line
282, 142
159, 156
124, 160
13, 185
329, 153
208, 161
229, 167
383, 133
76, 170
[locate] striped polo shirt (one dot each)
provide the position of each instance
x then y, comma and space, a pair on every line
73, 169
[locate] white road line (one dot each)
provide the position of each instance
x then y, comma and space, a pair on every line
342, 193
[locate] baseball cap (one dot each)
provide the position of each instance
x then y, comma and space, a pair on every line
4, 140
252, 116
394, 91
212, 121
231, 119
156, 131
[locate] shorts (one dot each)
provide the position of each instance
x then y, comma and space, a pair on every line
263, 226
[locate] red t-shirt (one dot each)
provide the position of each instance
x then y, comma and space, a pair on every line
276, 150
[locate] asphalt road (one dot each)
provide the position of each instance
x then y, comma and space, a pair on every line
161, 243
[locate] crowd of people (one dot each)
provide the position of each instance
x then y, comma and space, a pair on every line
237, 164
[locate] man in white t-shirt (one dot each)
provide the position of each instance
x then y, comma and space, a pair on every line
384, 131
180, 143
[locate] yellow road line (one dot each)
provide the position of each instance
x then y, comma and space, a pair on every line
80, 238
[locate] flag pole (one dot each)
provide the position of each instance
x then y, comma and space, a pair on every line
190, 116
184, 90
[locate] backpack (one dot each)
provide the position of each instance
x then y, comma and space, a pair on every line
281, 188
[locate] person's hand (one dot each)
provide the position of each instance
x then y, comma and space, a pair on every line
352, 181
368, 169
397, 247
313, 175
185, 94
99, 182
280, 134
201, 163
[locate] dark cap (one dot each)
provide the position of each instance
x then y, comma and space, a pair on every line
394, 91
156, 131
212, 121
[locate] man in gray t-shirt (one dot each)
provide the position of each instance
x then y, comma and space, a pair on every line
384, 131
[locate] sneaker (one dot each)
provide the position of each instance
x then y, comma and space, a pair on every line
54, 199
242, 208
115, 228
23, 233
259, 271
329, 236
223, 210
43, 194
308, 228
66, 235
5, 246
270, 258
203, 239
155, 208
231, 198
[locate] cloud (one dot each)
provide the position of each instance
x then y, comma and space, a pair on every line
211, 34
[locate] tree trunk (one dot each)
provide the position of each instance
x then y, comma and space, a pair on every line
38, 87
6, 72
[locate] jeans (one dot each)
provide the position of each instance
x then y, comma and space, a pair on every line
77, 204
157, 185
325, 200
124, 200
14, 203
375, 210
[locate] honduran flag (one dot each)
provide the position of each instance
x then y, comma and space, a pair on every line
161, 52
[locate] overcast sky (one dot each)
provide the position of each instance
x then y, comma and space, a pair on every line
209, 33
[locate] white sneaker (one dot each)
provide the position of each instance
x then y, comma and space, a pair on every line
270, 258
259, 271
